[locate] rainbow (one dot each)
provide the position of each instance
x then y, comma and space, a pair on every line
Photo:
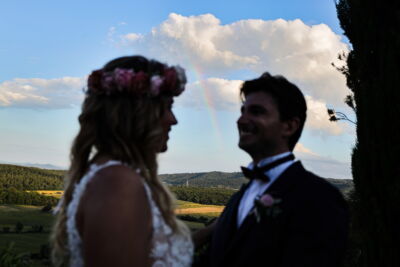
209, 102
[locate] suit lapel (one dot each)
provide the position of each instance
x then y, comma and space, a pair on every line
287, 180
227, 223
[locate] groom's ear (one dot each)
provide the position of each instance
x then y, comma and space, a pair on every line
290, 126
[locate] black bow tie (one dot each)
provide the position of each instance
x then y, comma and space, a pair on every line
259, 172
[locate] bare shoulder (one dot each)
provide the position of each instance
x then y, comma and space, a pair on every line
117, 176
116, 182
115, 222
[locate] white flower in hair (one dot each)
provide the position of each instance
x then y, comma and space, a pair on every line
156, 82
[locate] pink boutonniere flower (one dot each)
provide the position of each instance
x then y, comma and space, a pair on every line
267, 200
266, 206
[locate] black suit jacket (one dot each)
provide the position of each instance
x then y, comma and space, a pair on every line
311, 229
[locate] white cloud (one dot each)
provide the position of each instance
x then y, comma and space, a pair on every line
300, 148
132, 37
326, 167
318, 119
63, 92
300, 52
220, 94
322, 165
111, 34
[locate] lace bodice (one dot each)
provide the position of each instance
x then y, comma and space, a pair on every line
168, 249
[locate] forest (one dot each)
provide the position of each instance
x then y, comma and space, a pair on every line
30, 178
214, 188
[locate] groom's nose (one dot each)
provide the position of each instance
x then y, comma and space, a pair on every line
241, 122
242, 119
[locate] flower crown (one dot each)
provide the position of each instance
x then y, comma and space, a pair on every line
171, 82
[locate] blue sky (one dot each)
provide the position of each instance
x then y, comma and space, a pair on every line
47, 48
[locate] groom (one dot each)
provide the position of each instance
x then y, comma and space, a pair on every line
285, 216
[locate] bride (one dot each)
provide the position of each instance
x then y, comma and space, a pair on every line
115, 211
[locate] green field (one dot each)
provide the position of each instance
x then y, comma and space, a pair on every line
30, 216
25, 241
27, 215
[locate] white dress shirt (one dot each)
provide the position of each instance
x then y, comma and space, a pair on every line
257, 187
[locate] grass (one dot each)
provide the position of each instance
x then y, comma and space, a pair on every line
24, 242
27, 215
194, 225
31, 215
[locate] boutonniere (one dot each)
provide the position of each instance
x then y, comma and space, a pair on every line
266, 206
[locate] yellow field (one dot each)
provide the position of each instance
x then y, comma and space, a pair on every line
184, 207
49, 193
199, 210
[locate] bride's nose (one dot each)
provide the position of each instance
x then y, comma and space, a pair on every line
171, 118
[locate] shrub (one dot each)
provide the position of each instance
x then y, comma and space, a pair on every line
47, 208
19, 227
37, 228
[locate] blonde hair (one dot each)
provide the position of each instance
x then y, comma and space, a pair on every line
126, 129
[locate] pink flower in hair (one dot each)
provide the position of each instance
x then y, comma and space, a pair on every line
170, 80
123, 77
156, 82
140, 82
108, 81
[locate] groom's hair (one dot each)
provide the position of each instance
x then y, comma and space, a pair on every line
288, 98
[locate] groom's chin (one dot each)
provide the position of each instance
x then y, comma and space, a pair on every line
244, 146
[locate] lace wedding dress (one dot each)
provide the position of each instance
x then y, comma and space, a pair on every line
168, 248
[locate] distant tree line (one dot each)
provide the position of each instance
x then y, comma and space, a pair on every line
29, 178
202, 195
213, 188
15, 196
233, 180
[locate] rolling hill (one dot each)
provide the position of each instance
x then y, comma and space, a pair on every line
231, 180
30, 178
